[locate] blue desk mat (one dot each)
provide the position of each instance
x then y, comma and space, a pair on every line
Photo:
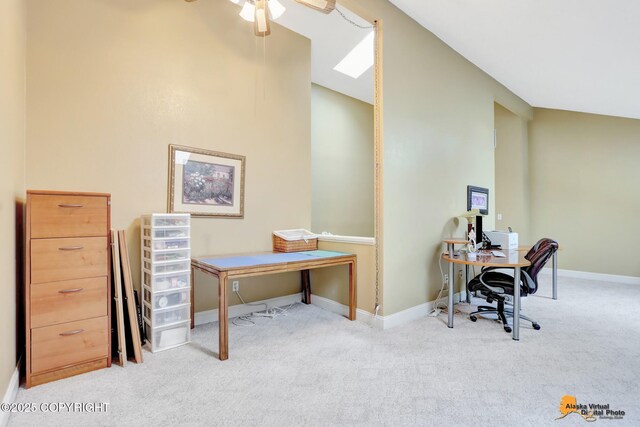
269, 258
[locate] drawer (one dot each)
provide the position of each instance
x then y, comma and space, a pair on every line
166, 299
163, 283
167, 255
165, 244
167, 316
68, 216
166, 232
68, 343
169, 336
54, 260
166, 220
172, 267
61, 302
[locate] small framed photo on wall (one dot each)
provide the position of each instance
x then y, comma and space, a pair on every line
205, 183
478, 198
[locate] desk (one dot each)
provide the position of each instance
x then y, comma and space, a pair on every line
514, 259
232, 267
554, 268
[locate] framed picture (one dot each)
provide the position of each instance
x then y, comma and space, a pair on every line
205, 183
478, 198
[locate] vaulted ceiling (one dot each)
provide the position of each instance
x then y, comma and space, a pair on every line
579, 55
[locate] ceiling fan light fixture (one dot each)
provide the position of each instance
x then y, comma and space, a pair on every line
248, 12
324, 6
276, 9
262, 27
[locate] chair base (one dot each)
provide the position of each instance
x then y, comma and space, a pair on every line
502, 314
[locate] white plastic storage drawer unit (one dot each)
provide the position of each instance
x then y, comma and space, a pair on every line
166, 279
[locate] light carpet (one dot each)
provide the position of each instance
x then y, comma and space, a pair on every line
314, 367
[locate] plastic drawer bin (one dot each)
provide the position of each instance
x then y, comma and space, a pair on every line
173, 267
165, 282
159, 245
166, 233
164, 317
169, 336
170, 220
166, 299
167, 255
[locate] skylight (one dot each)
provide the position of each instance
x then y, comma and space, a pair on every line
360, 59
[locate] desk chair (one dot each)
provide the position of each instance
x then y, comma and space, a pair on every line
494, 285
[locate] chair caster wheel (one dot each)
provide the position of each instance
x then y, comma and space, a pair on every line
536, 326
507, 329
473, 318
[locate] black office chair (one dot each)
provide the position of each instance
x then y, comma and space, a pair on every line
496, 286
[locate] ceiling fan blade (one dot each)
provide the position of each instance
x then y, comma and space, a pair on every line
262, 26
324, 6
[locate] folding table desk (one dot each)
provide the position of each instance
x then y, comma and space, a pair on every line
452, 241
513, 259
232, 267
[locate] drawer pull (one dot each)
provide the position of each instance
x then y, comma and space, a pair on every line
76, 332
70, 291
69, 205
71, 248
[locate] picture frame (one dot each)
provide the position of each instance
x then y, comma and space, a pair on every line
205, 183
478, 198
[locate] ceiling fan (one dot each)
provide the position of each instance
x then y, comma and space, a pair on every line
261, 12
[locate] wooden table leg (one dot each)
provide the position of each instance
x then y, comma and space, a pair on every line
305, 277
352, 291
193, 285
223, 317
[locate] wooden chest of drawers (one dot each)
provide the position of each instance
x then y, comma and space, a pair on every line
68, 284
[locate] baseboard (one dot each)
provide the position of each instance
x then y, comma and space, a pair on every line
380, 322
629, 280
343, 310
210, 316
416, 312
10, 394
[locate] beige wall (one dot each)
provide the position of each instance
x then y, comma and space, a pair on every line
12, 122
584, 181
333, 282
341, 164
438, 138
113, 83
512, 174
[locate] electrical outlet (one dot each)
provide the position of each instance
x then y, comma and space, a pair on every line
446, 279
236, 286
460, 274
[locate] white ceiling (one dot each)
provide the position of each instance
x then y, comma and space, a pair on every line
579, 55
332, 38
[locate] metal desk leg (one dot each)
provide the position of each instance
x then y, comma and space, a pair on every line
554, 272
516, 304
451, 288
466, 283
223, 317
